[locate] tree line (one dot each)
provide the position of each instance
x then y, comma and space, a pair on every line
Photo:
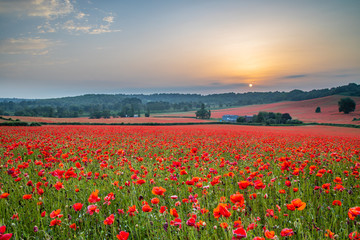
121, 105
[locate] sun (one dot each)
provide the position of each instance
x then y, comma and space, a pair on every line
250, 85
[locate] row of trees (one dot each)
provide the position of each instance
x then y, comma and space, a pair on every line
270, 118
128, 107
85, 104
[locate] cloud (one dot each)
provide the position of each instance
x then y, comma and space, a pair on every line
81, 15
28, 46
37, 8
58, 15
51, 9
109, 19
295, 76
74, 27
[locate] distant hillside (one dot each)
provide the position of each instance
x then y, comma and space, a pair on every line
106, 105
301, 110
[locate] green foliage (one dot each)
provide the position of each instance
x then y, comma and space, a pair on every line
271, 118
318, 110
203, 113
346, 105
87, 105
14, 123
240, 119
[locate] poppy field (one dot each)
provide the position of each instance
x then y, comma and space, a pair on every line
179, 182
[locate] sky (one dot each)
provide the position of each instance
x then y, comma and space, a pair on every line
58, 48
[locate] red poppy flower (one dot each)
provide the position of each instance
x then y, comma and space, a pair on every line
93, 198
122, 235
174, 212
239, 233
55, 213
59, 185
77, 206
146, 208
5, 236
55, 222
286, 232
237, 198
354, 236
296, 204
269, 234
158, 191
353, 212
155, 201
4, 195
27, 196
73, 226
109, 220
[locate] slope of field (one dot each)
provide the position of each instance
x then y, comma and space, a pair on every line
302, 110
111, 120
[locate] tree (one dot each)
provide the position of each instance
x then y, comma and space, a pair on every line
318, 110
203, 113
285, 117
346, 105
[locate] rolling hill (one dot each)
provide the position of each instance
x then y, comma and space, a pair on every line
302, 110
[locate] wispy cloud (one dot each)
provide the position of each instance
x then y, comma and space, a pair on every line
295, 76
28, 46
58, 15
37, 8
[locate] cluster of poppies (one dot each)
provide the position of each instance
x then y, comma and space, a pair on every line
193, 182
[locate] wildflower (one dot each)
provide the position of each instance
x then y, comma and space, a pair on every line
237, 198
176, 222
91, 209
239, 233
73, 226
56, 213
221, 210
252, 226
5, 236
336, 202
55, 222
122, 235
146, 208
59, 185
162, 209
287, 232
353, 212
174, 212
27, 196
296, 204
4, 195
158, 191
191, 221
132, 210
243, 184
155, 201
224, 225
269, 234
354, 236
77, 206
109, 220
93, 198
329, 234
253, 196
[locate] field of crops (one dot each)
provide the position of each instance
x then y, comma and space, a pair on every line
179, 182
